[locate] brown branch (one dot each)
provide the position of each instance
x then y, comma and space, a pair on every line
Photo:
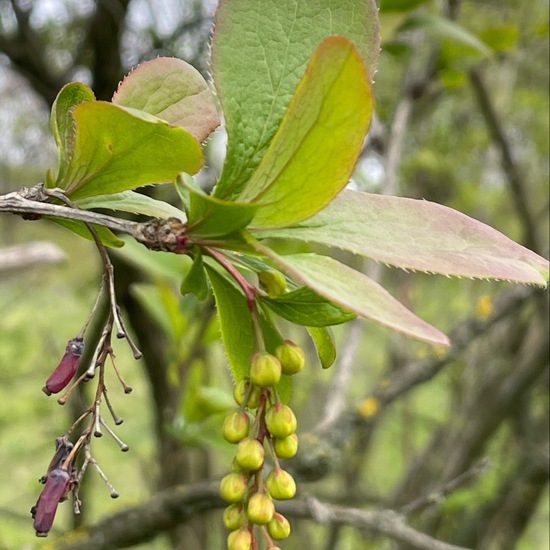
509, 163
141, 523
28, 203
324, 445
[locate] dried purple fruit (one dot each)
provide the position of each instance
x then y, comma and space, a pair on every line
67, 367
62, 449
55, 490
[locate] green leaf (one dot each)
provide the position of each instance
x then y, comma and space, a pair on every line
156, 264
237, 331
324, 344
173, 91
305, 307
387, 6
106, 236
195, 280
315, 149
135, 203
419, 235
116, 150
445, 28
260, 49
355, 292
210, 216
62, 123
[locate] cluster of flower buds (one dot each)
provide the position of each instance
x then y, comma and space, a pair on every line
261, 422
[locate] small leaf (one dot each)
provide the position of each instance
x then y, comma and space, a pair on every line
135, 203
260, 49
445, 28
62, 123
324, 344
210, 216
315, 149
195, 280
305, 307
417, 234
106, 236
355, 292
173, 91
237, 332
116, 150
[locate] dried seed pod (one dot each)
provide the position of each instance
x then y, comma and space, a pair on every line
55, 489
67, 367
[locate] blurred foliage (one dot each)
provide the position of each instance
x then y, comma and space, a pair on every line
447, 157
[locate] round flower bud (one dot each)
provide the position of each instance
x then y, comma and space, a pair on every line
290, 356
265, 370
233, 487
235, 426
260, 509
234, 517
273, 282
240, 391
280, 420
286, 447
250, 454
239, 540
280, 484
278, 527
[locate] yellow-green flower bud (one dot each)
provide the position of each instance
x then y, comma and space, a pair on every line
286, 447
239, 540
280, 484
250, 454
240, 391
273, 282
260, 509
233, 487
234, 517
280, 420
290, 356
278, 527
265, 370
235, 426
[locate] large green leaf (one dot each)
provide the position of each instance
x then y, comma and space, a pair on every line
117, 149
106, 236
355, 292
260, 49
305, 307
314, 150
172, 90
417, 234
62, 122
210, 216
237, 331
135, 203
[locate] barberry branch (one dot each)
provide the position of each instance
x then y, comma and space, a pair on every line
171, 507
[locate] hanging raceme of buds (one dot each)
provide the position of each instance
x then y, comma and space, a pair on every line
261, 423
